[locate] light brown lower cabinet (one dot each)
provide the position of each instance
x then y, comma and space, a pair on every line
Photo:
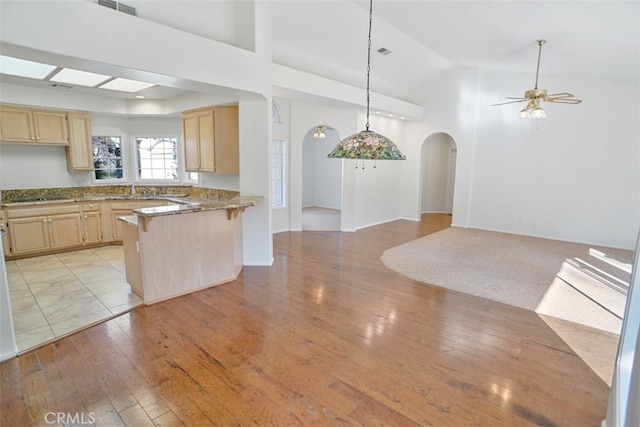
125, 208
92, 223
42, 229
33, 230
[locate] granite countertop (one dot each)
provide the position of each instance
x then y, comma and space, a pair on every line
89, 198
189, 204
182, 199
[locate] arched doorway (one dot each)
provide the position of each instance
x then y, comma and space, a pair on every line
438, 170
321, 181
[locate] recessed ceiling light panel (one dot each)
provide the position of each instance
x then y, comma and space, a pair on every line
126, 85
79, 78
23, 68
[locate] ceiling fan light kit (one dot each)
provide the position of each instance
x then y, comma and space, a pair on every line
534, 97
319, 133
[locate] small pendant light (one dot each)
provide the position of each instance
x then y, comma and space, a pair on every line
367, 144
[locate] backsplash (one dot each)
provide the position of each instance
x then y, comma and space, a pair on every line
12, 196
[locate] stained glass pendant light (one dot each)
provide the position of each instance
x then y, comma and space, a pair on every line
367, 144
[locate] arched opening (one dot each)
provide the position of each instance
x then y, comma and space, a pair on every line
438, 171
321, 181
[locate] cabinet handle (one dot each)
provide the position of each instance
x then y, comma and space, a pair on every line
85, 217
44, 220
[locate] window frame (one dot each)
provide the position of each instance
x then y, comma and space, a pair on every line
123, 150
282, 188
135, 161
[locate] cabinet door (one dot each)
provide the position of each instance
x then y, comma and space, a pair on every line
50, 127
117, 224
65, 230
227, 150
16, 125
28, 235
92, 227
80, 149
206, 133
5, 239
191, 149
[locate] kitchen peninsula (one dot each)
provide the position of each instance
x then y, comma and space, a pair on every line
181, 248
176, 239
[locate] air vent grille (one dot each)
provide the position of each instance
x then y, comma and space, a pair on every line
61, 85
111, 4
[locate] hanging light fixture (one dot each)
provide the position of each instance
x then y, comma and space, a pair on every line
533, 110
319, 133
367, 144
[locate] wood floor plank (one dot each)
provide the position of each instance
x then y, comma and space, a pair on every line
325, 336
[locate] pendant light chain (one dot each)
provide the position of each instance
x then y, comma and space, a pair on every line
369, 58
366, 144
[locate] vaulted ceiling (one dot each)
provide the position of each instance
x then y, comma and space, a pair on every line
586, 39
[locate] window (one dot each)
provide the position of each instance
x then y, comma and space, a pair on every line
278, 163
156, 159
107, 157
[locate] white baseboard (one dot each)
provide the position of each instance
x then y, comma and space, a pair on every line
258, 263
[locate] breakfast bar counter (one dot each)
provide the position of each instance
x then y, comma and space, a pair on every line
184, 247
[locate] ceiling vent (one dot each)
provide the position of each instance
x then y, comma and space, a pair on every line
384, 51
111, 4
62, 85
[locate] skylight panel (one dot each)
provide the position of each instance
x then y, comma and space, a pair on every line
79, 78
126, 85
23, 68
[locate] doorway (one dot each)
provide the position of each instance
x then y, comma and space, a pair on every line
438, 171
321, 181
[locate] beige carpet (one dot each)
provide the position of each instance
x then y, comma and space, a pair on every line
511, 269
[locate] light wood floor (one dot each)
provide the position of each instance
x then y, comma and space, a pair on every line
326, 336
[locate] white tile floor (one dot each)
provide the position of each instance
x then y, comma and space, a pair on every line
54, 295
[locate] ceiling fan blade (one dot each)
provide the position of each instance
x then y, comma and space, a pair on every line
561, 95
564, 100
508, 102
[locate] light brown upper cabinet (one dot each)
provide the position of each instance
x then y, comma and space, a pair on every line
33, 126
80, 148
211, 140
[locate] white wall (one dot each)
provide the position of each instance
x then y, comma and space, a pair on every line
308, 171
8, 347
575, 178
255, 162
379, 185
121, 47
34, 166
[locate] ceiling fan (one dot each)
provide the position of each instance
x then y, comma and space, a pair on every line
535, 96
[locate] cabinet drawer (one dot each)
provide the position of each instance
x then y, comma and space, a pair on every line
91, 207
42, 211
